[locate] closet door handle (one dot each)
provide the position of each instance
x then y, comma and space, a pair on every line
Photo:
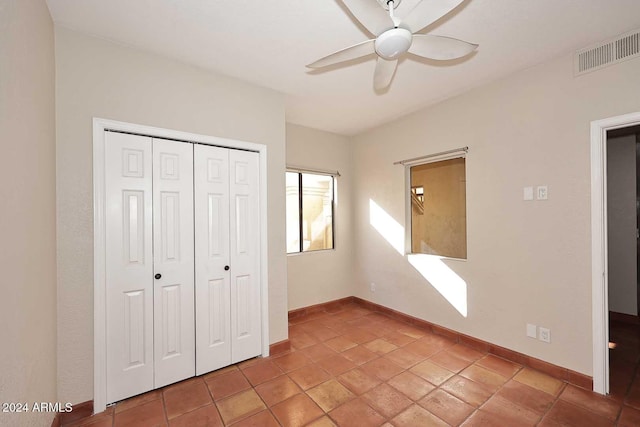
158, 276
226, 268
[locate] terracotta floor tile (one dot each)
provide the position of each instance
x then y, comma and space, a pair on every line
137, 400
380, 346
221, 371
317, 352
261, 419
276, 390
411, 385
330, 395
399, 339
297, 411
357, 381
261, 372
591, 401
239, 406
437, 340
422, 348
382, 368
499, 365
356, 412
449, 361
510, 412
184, 398
431, 372
359, 336
491, 380
148, 414
539, 381
386, 400
340, 343
404, 358
466, 390
629, 417
564, 413
525, 396
291, 362
225, 385
309, 376
206, 416
359, 355
103, 419
486, 419
417, 416
465, 352
336, 365
322, 422
412, 331
322, 333
302, 340
446, 406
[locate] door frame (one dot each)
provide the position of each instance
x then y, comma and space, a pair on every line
99, 220
599, 249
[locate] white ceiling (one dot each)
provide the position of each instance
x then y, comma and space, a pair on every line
268, 43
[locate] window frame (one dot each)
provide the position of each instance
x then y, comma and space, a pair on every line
408, 190
333, 176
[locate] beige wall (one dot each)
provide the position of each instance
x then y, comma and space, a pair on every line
527, 261
96, 78
322, 276
621, 224
27, 217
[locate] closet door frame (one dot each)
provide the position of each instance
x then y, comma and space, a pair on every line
100, 126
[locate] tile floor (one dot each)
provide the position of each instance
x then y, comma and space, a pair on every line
354, 367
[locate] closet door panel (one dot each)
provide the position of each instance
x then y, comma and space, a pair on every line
129, 261
174, 330
245, 255
213, 329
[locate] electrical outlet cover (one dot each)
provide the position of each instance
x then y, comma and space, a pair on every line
545, 335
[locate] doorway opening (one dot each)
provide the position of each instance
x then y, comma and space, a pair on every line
613, 245
623, 209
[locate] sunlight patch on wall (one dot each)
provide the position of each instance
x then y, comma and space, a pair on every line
388, 227
451, 286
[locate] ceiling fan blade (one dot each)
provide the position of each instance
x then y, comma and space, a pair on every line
370, 14
427, 12
352, 52
384, 73
439, 47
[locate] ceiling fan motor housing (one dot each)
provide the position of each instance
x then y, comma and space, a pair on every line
393, 43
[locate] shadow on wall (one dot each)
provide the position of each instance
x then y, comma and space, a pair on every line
439, 275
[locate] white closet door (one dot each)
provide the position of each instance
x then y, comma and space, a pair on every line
213, 327
129, 260
246, 334
173, 239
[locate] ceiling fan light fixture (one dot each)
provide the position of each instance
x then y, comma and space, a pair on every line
393, 43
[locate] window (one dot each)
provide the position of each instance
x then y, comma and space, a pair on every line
439, 208
309, 212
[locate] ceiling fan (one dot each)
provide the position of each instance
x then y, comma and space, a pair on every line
395, 37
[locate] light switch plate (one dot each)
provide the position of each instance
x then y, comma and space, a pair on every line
542, 192
528, 193
532, 331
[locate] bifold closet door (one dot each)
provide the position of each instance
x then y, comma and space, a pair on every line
173, 261
129, 265
227, 224
149, 263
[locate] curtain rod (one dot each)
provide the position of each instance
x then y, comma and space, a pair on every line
442, 153
310, 170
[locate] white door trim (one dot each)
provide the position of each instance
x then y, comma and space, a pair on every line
599, 263
99, 266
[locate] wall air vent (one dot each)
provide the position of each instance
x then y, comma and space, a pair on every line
603, 54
